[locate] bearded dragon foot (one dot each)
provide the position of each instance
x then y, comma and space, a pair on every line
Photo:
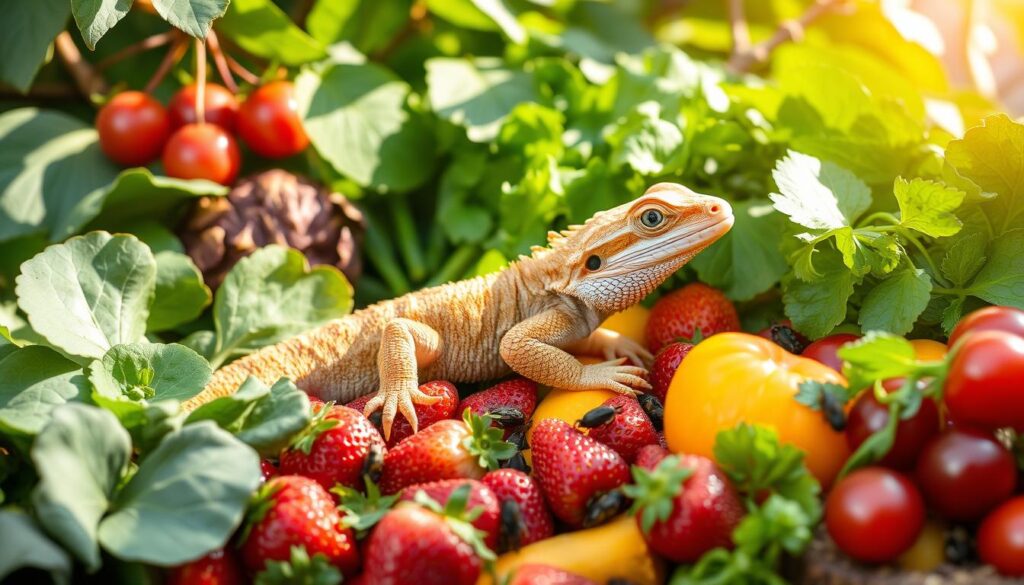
399, 399
613, 375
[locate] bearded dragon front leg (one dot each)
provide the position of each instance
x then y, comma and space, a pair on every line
533, 348
405, 346
611, 345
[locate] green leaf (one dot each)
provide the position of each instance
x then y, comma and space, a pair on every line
95, 17
25, 44
192, 16
778, 521
927, 206
33, 381
24, 546
992, 155
818, 195
895, 303
130, 375
137, 195
877, 356
964, 258
746, 261
366, 26
80, 457
300, 569
186, 499
180, 294
356, 117
484, 15
263, 29
272, 295
89, 293
53, 176
819, 306
1001, 281
645, 142
477, 94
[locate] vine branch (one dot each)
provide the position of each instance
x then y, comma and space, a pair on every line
223, 69
746, 58
88, 80
174, 54
145, 44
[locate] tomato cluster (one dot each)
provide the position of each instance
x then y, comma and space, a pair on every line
946, 458
134, 129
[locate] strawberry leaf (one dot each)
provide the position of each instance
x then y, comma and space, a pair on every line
300, 569
485, 442
362, 512
654, 492
317, 426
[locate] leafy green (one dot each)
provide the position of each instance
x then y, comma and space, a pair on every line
1001, 281
23, 48
300, 569
896, 303
271, 295
819, 306
477, 94
991, 156
23, 545
95, 17
192, 16
33, 381
876, 356
137, 195
927, 206
263, 29
180, 294
80, 457
131, 375
89, 293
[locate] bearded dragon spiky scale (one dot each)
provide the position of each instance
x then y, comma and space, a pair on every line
526, 318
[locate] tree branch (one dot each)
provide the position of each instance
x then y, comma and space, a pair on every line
223, 69
174, 54
88, 80
145, 44
756, 55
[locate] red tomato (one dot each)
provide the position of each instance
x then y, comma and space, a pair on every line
964, 473
1001, 538
133, 128
202, 151
874, 514
824, 350
868, 416
1008, 319
221, 107
984, 387
268, 121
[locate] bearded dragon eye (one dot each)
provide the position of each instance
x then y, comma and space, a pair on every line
651, 218
593, 263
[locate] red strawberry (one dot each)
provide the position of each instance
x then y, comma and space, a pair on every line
531, 574
448, 449
679, 314
621, 424
578, 475
480, 497
525, 516
648, 457
511, 402
685, 506
293, 511
426, 414
217, 568
427, 545
267, 469
666, 362
339, 446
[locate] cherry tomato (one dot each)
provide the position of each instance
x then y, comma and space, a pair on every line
268, 121
928, 551
202, 151
221, 107
824, 350
868, 416
1008, 319
983, 388
929, 350
1001, 538
133, 128
964, 473
874, 514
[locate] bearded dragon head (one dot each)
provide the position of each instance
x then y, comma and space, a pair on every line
620, 255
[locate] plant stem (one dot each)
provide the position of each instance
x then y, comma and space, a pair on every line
738, 27
200, 81
409, 244
145, 44
380, 253
436, 246
744, 62
88, 80
223, 69
246, 75
174, 54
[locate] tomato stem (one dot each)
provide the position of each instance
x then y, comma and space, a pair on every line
219, 60
174, 54
200, 81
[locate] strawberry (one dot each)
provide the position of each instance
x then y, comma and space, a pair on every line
685, 506
267, 469
681, 313
532, 574
524, 515
511, 403
448, 449
337, 447
648, 457
427, 414
293, 511
425, 544
217, 568
666, 362
621, 424
481, 497
578, 475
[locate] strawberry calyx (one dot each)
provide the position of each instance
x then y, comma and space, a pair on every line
485, 442
361, 512
300, 568
260, 503
316, 427
654, 491
459, 519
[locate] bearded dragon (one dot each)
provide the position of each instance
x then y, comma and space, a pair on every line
528, 318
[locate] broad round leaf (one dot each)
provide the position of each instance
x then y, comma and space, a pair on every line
33, 381
180, 295
132, 374
22, 545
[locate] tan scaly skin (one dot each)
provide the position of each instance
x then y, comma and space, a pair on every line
526, 318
